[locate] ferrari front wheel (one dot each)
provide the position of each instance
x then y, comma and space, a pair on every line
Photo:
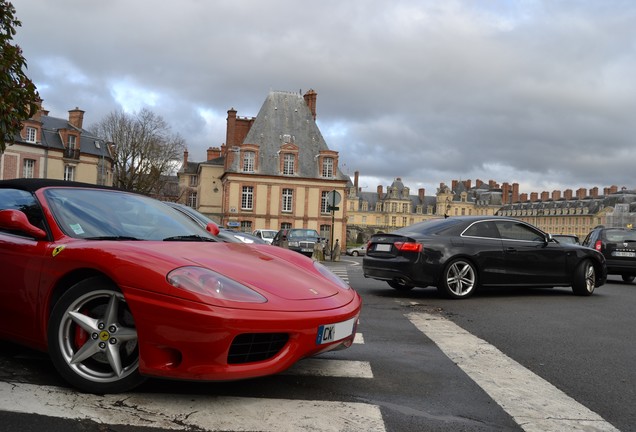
93, 340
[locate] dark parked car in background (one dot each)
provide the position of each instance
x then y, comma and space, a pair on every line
226, 235
618, 245
301, 240
460, 254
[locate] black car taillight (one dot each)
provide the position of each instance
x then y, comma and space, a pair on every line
408, 246
598, 245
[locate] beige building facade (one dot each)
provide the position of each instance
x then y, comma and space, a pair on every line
274, 171
57, 148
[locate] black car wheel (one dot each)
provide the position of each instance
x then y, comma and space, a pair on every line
92, 338
584, 279
628, 278
459, 279
400, 285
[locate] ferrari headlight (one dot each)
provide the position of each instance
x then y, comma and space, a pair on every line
330, 275
206, 282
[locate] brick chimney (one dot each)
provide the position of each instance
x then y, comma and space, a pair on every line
380, 191
505, 193
613, 189
567, 194
454, 185
185, 159
545, 195
76, 117
523, 197
213, 153
356, 176
594, 192
534, 196
478, 183
467, 184
515, 192
310, 99
39, 111
421, 193
580, 193
230, 133
556, 195
492, 184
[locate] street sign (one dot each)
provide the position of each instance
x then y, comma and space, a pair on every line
333, 198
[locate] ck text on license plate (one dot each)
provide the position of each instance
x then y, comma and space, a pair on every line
334, 332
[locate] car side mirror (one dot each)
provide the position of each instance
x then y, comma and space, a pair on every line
15, 220
548, 238
212, 228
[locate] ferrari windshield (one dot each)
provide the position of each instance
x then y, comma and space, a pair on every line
113, 215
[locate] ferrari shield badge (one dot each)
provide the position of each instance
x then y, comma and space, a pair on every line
58, 249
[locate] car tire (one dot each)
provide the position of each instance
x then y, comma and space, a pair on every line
400, 286
584, 279
93, 340
459, 279
628, 278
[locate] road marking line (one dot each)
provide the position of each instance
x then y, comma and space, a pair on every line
535, 404
358, 339
188, 412
331, 368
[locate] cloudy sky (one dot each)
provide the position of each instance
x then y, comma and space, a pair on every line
542, 93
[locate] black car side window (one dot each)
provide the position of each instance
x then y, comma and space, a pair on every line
518, 231
485, 229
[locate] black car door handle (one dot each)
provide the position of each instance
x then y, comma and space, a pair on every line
511, 250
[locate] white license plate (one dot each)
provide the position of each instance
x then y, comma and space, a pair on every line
334, 332
306, 250
383, 247
624, 254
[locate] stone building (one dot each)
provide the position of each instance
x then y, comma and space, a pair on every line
385, 211
57, 148
274, 171
576, 213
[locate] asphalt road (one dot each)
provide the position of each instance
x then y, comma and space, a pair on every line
518, 354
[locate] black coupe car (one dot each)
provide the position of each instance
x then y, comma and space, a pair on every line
460, 254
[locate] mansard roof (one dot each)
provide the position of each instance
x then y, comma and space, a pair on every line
283, 119
50, 137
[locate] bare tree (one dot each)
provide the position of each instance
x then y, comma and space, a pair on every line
144, 149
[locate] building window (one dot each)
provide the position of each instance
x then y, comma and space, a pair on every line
393, 220
192, 200
72, 142
405, 208
288, 164
29, 168
31, 134
194, 180
285, 225
247, 198
248, 161
404, 221
324, 205
246, 226
364, 220
288, 195
327, 167
69, 173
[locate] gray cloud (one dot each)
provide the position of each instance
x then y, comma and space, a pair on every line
535, 92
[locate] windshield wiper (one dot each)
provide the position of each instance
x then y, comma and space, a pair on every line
112, 238
193, 237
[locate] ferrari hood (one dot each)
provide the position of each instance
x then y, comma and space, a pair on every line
282, 273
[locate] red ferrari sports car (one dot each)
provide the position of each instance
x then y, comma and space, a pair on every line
118, 287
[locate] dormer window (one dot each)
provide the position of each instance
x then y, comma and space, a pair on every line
31, 134
327, 167
249, 158
289, 162
72, 142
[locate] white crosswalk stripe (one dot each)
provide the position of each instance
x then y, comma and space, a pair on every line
535, 404
208, 413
